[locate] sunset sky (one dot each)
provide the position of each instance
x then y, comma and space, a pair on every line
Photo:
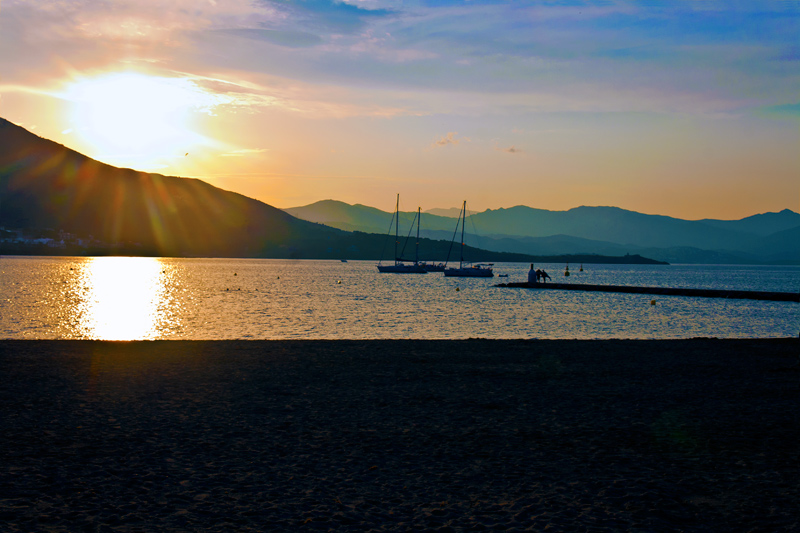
689, 109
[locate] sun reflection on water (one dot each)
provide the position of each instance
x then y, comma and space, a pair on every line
126, 298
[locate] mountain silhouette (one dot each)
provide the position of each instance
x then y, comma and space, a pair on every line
47, 186
762, 225
364, 218
762, 238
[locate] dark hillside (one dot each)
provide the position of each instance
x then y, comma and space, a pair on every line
50, 189
46, 185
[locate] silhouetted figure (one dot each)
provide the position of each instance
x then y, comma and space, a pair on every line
545, 276
533, 276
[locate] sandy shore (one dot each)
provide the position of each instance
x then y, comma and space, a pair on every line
696, 435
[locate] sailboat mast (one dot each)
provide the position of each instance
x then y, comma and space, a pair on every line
419, 219
463, 223
396, 226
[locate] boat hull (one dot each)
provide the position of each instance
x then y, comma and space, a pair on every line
401, 269
432, 267
473, 272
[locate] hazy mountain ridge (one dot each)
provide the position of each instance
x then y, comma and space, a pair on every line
45, 186
788, 240
451, 212
624, 227
762, 224
766, 237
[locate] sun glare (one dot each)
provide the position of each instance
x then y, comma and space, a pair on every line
136, 120
126, 299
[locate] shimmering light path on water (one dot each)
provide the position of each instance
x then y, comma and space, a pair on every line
164, 298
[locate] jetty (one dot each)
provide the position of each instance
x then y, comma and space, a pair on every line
664, 291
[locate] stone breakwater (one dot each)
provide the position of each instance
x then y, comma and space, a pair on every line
690, 435
663, 291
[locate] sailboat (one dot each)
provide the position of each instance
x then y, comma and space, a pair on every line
428, 266
471, 270
432, 267
402, 266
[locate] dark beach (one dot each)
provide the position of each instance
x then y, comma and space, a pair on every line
690, 435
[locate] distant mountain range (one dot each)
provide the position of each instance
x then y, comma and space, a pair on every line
769, 238
83, 206
93, 208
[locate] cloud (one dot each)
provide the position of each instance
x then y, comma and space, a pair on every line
782, 111
511, 150
312, 100
475, 58
131, 20
450, 138
326, 15
244, 152
289, 39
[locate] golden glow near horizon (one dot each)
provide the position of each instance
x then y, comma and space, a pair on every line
686, 109
125, 299
132, 119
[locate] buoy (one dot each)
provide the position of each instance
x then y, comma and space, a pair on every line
457, 289
338, 282
581, 270
234, 273
652, 302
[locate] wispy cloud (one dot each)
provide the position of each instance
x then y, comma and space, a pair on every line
290, 39
448, 139
326, 15
564, 52
244, 152
511, 150
791, 111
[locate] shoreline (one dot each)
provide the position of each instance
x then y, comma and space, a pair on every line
691, 435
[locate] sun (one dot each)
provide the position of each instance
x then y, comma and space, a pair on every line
132, 119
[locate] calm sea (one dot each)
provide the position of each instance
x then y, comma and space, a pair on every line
124, 298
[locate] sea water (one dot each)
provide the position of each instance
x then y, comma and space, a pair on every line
127, 298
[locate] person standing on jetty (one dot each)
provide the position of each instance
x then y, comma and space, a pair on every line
533, 276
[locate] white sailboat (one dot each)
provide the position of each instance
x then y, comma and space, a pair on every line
402, 266
467, 270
